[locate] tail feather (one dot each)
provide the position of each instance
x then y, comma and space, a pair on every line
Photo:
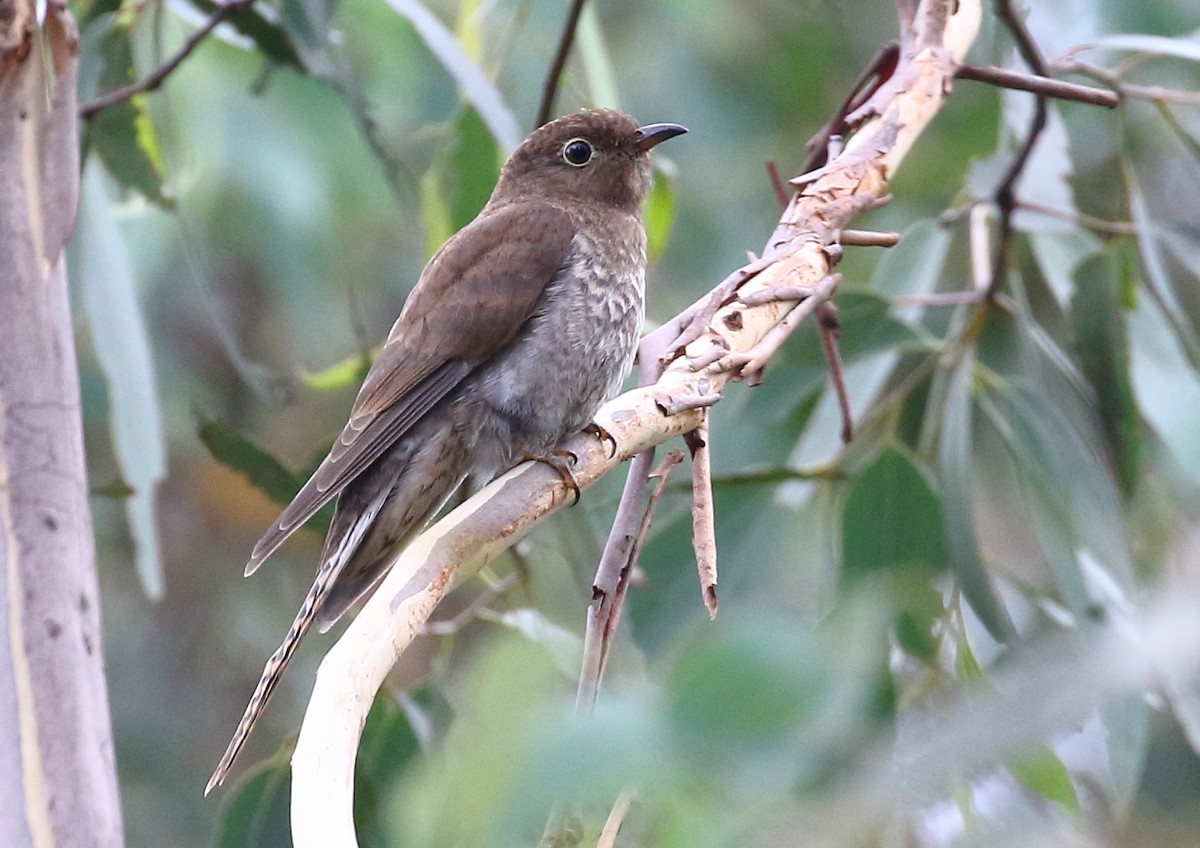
273, 671
344, 538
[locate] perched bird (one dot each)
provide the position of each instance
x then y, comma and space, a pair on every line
518, 329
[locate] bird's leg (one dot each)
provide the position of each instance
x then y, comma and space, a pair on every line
594, 429
561, 461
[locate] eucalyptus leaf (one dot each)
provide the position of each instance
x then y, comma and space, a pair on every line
122, 135
1178, 48
476, 87
1102, 344
256, 815
104, 271
954, 459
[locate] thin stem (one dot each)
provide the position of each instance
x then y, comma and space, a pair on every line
550, 87
89, 110
1005, 78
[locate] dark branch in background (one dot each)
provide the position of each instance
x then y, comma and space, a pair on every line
1003, 78
223, 12
881, 69
1006, 200
550, 87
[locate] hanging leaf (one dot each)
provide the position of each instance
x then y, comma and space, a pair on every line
954, 457
660, 209
104, 270
1102, 345
122, 135
257, 813
476, 87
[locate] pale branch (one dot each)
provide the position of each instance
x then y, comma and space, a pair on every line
1045, 86
550, 86
159, 75
458, 545
868, 238
616, 817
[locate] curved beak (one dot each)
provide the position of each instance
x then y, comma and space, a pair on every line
652, 134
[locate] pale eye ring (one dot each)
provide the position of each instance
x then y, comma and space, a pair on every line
578, 152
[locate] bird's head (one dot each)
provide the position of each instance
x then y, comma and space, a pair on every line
599, 156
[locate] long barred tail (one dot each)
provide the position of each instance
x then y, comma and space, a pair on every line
273, 671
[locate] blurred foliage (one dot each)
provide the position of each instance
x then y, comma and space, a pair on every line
920, 632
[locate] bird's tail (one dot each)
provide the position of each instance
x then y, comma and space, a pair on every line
273, 671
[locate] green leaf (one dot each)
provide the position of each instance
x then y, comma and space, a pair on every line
1041, 771
257, 814
892, 519
474, 167
105, 273
1102, 346
351, 371
435, 214
597, 67
115, 490
954, 457
267, 34
480, 92
308, 22
660, 211
265, 472
122, 135
1158, 279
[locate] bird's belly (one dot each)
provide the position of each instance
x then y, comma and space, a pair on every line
550, 383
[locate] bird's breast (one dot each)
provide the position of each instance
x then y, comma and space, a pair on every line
570, 357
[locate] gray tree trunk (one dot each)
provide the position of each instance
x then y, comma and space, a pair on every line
58, 782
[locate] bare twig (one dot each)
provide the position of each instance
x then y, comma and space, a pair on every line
156, 78
1091, 222
616, 817
781, 192
868, 238
1044, 86
750, 362
605, 617
1005, 192
704, 528
550, 86
1125, 89
827, 322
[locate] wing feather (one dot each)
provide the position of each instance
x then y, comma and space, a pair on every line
471, 301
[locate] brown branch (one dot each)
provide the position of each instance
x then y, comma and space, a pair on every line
604, 618
156, 78
704, 523
1004, 78
550, 86
1005, 193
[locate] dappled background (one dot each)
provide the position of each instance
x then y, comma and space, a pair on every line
250, 231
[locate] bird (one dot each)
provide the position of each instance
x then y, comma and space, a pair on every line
520, 326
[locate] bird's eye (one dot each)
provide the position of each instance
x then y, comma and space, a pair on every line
577, 152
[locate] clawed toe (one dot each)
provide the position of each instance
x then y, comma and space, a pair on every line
561, 461
594, 429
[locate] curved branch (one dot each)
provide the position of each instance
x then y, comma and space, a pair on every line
456, 547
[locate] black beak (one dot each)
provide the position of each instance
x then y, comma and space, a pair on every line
653, 134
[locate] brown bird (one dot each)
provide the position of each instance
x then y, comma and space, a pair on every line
518, 329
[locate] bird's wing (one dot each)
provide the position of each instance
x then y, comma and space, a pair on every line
470, 302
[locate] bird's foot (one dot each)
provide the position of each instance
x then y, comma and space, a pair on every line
561, 461
605, 437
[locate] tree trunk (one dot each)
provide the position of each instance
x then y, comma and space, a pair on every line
57, 777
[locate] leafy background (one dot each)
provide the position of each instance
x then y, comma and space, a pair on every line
1023, 474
